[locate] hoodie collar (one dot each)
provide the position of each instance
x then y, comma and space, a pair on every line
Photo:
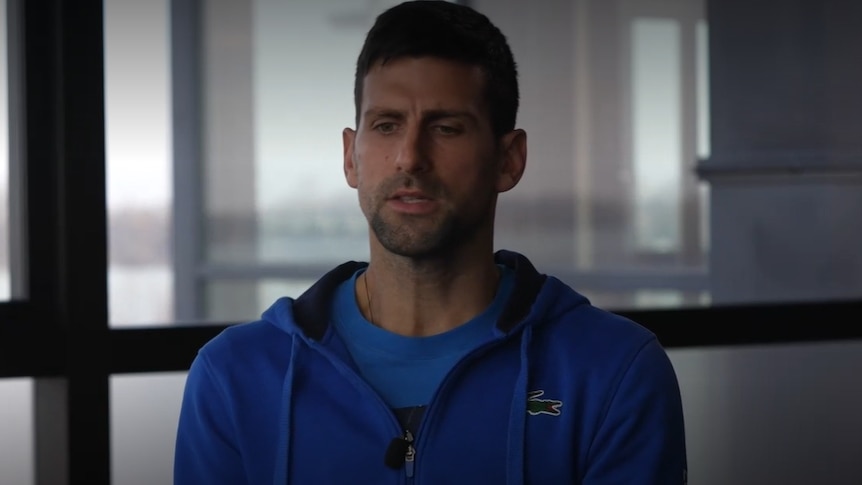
311, 311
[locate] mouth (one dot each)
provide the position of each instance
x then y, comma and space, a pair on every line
412, 202
411, 197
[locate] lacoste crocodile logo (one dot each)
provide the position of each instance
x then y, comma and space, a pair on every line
537, 406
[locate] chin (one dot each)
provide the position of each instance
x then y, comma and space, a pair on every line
423, 239
417, 249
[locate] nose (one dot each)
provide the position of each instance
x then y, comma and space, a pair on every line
412, 154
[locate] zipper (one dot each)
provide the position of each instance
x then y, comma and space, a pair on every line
409, 455
351, 375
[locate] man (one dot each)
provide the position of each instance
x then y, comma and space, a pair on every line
439, 361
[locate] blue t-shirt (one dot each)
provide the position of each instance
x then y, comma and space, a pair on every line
406, 371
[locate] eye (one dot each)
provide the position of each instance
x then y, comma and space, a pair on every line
386, 127
447, 130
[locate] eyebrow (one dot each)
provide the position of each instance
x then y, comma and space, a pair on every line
430, 115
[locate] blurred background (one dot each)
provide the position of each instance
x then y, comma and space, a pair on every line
676, 160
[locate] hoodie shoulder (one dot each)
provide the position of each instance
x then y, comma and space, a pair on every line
574, 319
243, 337
249, 341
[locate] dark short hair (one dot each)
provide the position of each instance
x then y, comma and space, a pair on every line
445, 30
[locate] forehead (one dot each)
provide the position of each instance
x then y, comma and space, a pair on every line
424, 83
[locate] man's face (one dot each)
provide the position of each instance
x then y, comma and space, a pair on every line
423, 158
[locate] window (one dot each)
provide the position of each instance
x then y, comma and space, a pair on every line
225, 183
5, 230
225, 177
276, 210
143, 429
192, 196
138, 164
16, 431
613, 204
219, 201
656, 135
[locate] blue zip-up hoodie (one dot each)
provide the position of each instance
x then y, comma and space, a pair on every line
565, 393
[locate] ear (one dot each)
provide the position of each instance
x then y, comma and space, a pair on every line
513, 147
348, 138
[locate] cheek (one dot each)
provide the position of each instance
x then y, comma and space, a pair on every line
366, 184
477, 172
369, 164
366, 199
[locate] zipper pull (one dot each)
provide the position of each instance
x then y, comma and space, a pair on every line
409, 455
401, 452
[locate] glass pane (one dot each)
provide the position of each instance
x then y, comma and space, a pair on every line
144, 413
138, 155
703, 143
308, 213
276, 193
656, 133
276, 205
244, 300
16, 432
610, 202
5, 233
785, 414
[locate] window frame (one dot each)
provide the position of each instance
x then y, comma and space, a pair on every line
57, 332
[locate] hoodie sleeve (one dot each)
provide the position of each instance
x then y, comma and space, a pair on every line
205, 450
642, 438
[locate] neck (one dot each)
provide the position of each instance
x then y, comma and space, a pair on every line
420, 298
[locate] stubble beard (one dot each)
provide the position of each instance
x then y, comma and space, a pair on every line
421, 237
405, 239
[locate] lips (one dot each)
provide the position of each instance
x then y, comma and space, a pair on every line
412, 202
410, 196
